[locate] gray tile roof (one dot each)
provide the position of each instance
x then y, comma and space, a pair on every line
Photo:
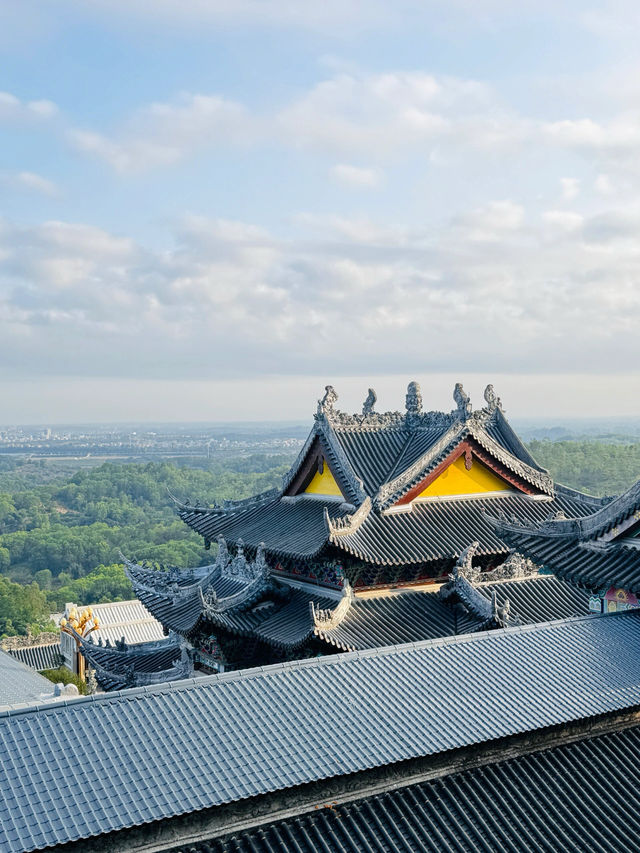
145, 663
297, 528
596, 551
19, 683
433, 529
541, 598
556, 800
380, 458
47, 656
595, 568
135, 753
126, 618
414, 615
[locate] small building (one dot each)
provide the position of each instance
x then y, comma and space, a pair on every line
126, 623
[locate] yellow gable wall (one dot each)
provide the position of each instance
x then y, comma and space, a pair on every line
323, 484
456, 480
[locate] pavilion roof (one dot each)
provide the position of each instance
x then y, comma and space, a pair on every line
595, 551
379, 461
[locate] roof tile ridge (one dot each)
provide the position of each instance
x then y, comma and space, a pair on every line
542, 480
327, 619
499, 418
306, 447
390, 490
327, 434
166, 585
349, 523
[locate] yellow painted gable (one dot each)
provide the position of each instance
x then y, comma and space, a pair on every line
456, 480
323, 484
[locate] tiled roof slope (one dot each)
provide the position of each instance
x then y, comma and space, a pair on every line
591, 567
183, 747
19, 683
378, 460
297, 528
540, 598
145, 663
555, 800
413, 615
126, 618
436, 528
248, 605
595, 551
48, 656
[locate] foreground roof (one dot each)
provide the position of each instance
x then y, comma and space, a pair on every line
298, 722
550, 800
596, 551
380, 464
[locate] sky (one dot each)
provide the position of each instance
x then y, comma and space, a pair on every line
210, 209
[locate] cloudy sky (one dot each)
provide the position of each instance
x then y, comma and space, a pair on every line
211, 208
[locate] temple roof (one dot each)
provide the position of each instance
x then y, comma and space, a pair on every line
596, 551
548, 800
379, 464
46, 656
122, 666
436, 528
276, 727
19, 683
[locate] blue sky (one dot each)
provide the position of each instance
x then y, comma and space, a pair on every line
214, 207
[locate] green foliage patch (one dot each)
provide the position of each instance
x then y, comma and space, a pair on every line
61, 540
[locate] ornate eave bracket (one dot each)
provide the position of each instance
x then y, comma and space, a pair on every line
325, 619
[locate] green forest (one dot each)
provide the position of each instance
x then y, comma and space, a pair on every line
61, 532
60, 541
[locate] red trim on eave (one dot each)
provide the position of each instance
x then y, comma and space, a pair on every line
464, 449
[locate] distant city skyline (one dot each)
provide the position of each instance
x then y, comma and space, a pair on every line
209, 210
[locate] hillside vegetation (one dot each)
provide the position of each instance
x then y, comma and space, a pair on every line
61, 541
60, 536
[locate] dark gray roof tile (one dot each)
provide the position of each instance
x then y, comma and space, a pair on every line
555, 800
256, 731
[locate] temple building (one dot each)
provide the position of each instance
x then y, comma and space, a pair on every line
394, 498
599, 553
381, 534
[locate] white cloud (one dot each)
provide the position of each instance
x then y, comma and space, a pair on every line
163, 133
570, 188
355, 176
12, 109
32, 181
603, 185
563, 219
354, 296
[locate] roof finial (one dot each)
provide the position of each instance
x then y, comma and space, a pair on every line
413, 401
462, 401
492, 400
369, 403
326, 405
